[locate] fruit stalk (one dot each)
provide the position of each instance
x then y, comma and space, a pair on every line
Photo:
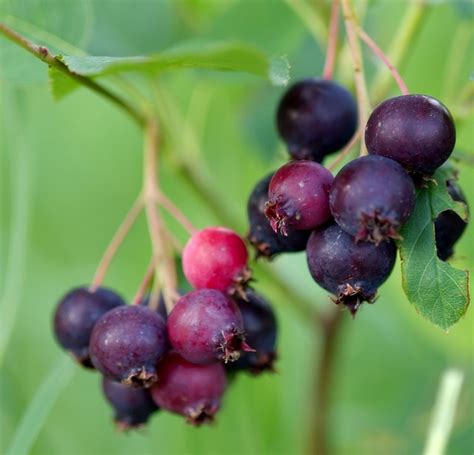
332, 41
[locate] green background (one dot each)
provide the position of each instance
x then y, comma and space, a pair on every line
69, 172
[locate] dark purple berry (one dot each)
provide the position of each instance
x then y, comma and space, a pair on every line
260, 327
76, 315
298, 197
127, 343
417, 131
316, 117
194, 391
205, 326
449, 226
371, 198
350, 270
267, 242
133, 406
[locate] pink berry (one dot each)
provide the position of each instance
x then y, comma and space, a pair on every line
205, 326
194, 391
299, 196
216, 258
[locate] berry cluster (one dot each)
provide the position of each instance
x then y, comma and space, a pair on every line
347, 224
179, 362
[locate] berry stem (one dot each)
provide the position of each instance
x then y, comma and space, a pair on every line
115, 243
176, 213
359, 78
345, 151
380, 54
332, 41
150, 271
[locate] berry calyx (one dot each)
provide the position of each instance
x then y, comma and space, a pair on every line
216, 258
266, 241
194, 391
299, 197
371, 198
350, 270
417, 131
316, 117
133, 406
205, 326
127, 343
76, 315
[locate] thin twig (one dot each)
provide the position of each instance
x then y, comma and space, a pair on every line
115, 243
332, 41
176, 213
53, 61
380, 54
359, 78
150, 271
345, 151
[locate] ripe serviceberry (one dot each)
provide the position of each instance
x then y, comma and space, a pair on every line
76, 315
349, 270
415, 130
133, 406
127, 343
449, 226
216, 258
205, 326
298, 197
371, 197
267, 242
316, 117
191, 390
261, 333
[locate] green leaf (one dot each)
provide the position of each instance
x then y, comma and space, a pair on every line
438, 291
61, 85
235, 57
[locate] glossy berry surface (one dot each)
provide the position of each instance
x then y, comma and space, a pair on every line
349, 270
449, 226
266, 241
316, 117
298, 197
127, 343
215, 258
133, 406
417, 131
76, 315
260, 327
205, 326
194, 391
371, 198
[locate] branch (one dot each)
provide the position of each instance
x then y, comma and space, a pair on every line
332, 41
43, 54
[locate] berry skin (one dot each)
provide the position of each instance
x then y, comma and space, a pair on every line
449, 226
316, 117
417, 131
127, 343
371, 198
194, 391
261, 235
76, 315
132, 406
298, 197
260, 327
216, 258
349, 270
205, 326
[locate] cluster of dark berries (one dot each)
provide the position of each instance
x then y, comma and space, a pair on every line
179, 362
347, 224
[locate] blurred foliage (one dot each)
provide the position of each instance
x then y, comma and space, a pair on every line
70, 170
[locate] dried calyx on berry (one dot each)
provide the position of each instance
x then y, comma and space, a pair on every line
350, 270
133, 406
266, 241
76, 315
193, 391
371, 198
205, 326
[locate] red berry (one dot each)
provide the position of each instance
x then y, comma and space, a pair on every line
194, 391
298, 196
216, 258
205, 326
